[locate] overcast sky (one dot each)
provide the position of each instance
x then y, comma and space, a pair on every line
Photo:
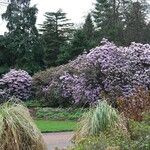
76, 10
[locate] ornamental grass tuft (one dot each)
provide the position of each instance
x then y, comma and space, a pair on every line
100, 119
17, 129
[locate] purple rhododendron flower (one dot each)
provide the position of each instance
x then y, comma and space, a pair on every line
16, 83
117, 71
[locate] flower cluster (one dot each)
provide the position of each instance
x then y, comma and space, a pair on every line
16, 83
116, 71
79, 88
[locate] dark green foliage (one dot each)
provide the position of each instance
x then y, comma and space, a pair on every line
56, 31
78, 45
135, 21
122, 21
5, 57
88, 27
65, 54
3, 69
108, 19
58, 113
22, 45
84, 38
34, 103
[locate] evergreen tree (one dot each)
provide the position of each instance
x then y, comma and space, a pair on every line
90, 33
22, 41
5, 58
147, 33
83, 40
136, 22
56, 31
88, 27
79, 43
108, 19
76, 46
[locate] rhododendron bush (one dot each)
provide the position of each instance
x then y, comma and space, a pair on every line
16, 83
115, 71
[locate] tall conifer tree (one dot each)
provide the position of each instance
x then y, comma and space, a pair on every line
21, 40
56, 31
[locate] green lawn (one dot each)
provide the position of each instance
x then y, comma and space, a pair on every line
55, 126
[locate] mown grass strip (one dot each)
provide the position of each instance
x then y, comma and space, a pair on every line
55, 126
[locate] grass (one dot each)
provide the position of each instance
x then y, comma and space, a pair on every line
17, 129
55, 126
99, 119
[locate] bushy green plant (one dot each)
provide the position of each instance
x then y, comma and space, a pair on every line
34, 103
17, 129
91, 143
116, 140
120, 134
113, 140
146, 118
138, 129
103, 118
100, 119
58, 113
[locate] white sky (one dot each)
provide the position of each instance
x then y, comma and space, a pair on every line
76, 10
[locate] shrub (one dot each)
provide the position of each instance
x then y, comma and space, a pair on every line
46, 85
16, 83
104, 141
58, 114
146, 117
139, 139
138, 129
116, 71
134, 106
17, 129
91, 143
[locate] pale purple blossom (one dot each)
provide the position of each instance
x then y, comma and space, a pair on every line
117, 71
16, 83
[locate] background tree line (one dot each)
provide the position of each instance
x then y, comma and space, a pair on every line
58, 40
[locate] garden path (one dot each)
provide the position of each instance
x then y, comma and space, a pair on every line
60, 140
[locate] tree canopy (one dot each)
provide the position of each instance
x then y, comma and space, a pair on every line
22, 39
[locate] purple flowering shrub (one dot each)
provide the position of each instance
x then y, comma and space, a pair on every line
46, 85
16, 83
79, 88
115, 71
